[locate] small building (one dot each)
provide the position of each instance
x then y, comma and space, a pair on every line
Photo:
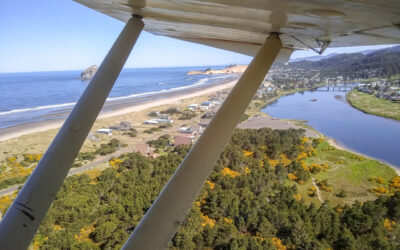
145, 150
164, 117
185, 130
183, 140
161, 120
123, 126
193, 107
106, 131
206, 105
151, 122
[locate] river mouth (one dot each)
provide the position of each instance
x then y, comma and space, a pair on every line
330, 114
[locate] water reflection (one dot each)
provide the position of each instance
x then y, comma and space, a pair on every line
327, 111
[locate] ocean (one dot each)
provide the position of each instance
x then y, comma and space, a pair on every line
40, 96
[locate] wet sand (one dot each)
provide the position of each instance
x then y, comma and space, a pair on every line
115, 108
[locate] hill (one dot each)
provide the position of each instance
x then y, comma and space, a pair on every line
250, 201
380, 63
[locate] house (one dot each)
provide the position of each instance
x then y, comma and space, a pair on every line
145, 150
186, 130
193, 107
189, 131
123, 126
151, 122
206, 105
162, 120
106, 131
164, 117
183, 140
157, 121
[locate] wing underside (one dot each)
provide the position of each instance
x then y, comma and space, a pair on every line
242, 26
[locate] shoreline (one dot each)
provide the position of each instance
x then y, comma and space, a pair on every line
366, 111
127, 106
336, 144
117, 108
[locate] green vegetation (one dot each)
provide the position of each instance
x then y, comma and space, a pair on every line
187, 115
161, 142
16, 170
166, 125
152, 130
373, 105
250, 201
109, 148
132, 132
171, 111
348, 172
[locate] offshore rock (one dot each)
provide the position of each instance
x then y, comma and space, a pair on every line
88, 73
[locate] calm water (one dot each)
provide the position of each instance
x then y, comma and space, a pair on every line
333, 116
38, 96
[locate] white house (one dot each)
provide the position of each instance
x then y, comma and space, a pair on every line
193, 107
206, 105
106, 131
151, 122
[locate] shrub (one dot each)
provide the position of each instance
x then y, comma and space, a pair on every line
108, 148
152, 130
187, 115
342, 194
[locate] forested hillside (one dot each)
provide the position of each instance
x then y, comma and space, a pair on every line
248, 202
382, 63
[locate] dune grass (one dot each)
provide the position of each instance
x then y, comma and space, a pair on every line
348, 172
372, 105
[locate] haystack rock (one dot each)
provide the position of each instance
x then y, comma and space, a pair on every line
232, 69
88, 73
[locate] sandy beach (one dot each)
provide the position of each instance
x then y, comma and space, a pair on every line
334, 143
35, 137
112, 109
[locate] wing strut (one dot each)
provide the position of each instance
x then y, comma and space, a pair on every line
164, 217
23, 218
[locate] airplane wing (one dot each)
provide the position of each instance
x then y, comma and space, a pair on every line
242, 26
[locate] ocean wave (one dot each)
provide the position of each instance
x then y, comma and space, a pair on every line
37, 108
111, 99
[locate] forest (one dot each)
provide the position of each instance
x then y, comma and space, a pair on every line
383, 63
248, 202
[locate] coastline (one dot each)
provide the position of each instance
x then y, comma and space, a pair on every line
335, 144
132, 105
115, 108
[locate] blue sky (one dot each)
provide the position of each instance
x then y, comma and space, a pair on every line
49, 35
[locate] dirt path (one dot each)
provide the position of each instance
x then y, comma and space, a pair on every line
318, 191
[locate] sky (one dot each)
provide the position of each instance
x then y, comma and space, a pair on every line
53, 35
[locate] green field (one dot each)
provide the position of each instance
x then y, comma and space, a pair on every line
348, 172
373, 105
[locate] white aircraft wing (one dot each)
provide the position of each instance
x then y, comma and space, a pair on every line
243, 25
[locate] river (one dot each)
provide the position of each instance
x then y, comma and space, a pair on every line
327, 111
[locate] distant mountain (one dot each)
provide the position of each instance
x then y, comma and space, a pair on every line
365, 64
313, 58
320, 57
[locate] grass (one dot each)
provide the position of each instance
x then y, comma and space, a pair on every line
372, 105
348, 172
